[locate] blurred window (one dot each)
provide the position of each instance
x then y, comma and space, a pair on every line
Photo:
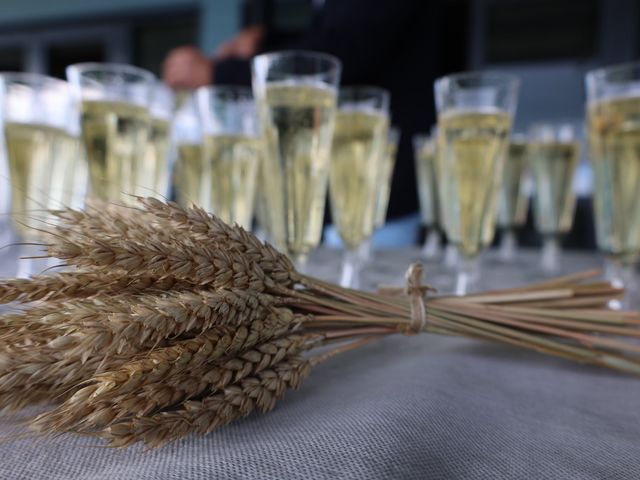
61, 55
154, 37
530, 30
11, 59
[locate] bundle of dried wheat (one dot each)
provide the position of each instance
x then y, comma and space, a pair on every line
172, 322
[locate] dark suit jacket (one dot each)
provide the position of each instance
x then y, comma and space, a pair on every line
388, 43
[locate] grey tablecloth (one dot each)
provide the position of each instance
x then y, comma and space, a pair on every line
420, 407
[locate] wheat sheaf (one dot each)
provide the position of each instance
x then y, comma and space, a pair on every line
167, 322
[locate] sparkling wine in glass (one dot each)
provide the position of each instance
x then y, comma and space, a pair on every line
358, 155
47, 166
512, 198
231, 151
153, 171
424, 147
385, 179
554, 153
116, 124
188, 168
475, 112
296, 93
613, 121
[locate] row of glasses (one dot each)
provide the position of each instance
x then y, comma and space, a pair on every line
550, 154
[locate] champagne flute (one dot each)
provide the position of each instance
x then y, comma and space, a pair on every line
296, 96
512, 199
116, 124
613, 118
188, 170
46, 164
153, 171
385, 180
357, 158
554, 154
386, 177
424, 147
474, 122
231, 151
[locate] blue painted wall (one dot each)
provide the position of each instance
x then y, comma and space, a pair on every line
218, 18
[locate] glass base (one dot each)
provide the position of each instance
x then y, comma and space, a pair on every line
508, 246
550, 256
365, 251
467, 276
431, 248
351, 268
450, 259
622, 274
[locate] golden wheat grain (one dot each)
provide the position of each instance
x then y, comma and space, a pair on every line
259, 392
67, 285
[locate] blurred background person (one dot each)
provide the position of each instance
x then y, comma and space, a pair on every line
390, 44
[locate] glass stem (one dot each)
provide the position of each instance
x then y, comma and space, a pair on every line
300, 262
550, 260
622, 274
508, 245
351, 269
467, 275
431, 246
365, 250
450, 257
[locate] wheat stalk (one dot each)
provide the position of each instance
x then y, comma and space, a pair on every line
259, 392
82, 284
112, 399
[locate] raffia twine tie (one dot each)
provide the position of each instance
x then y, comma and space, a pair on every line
416, 291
